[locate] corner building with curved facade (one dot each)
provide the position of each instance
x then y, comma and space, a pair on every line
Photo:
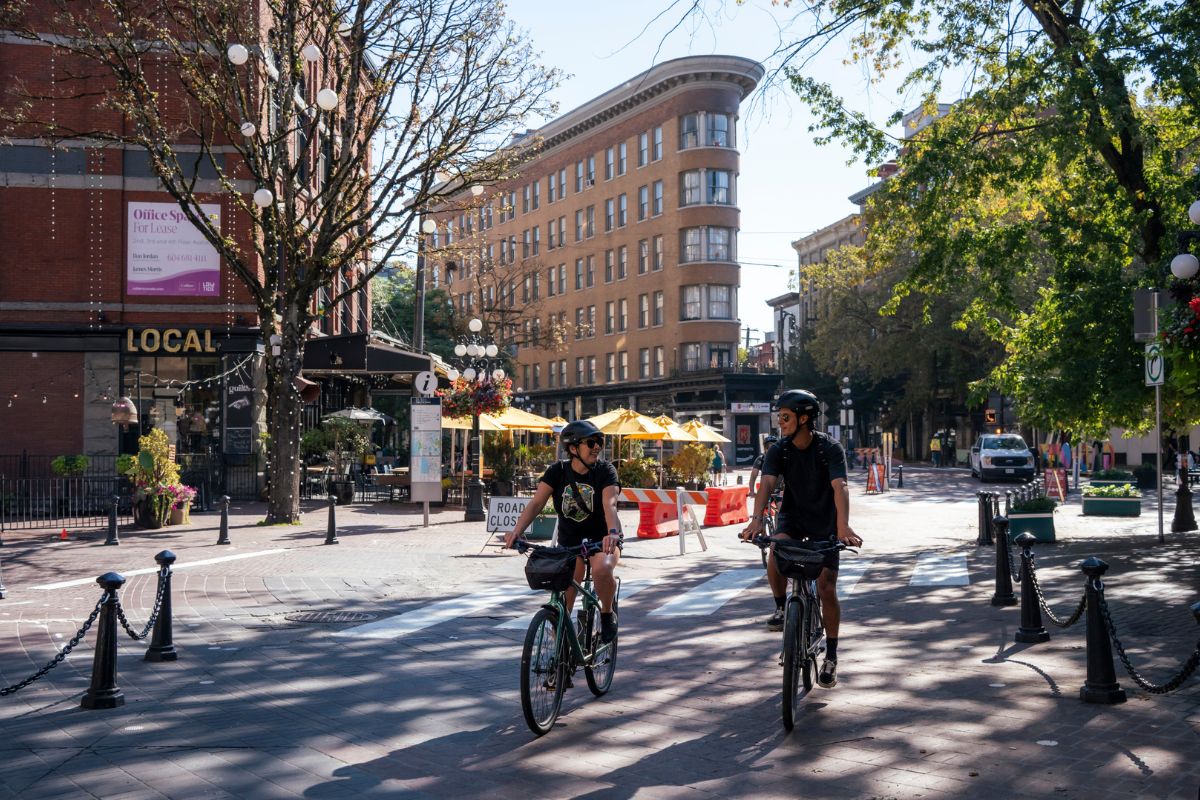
608, 263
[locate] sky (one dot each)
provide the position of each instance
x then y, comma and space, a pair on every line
788, 186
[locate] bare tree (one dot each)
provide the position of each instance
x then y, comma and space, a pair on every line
331, 125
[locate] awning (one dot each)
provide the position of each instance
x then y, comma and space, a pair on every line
359, 354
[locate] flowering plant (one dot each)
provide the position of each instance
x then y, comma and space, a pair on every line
471, 398
182, 495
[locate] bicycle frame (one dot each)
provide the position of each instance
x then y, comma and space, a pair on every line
566, 632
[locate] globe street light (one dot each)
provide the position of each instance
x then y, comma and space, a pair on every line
475, 355
1184, 267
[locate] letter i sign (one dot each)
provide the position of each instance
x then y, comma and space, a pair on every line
1154, 364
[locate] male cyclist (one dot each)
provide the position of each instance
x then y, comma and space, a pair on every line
757, 466
816, 506
584, 490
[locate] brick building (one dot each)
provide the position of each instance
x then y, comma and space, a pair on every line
608, 265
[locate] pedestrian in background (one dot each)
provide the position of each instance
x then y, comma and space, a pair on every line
935, 451
718, 466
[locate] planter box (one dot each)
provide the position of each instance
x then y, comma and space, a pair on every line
1040, 525
542, 528
1112, 506
181, 516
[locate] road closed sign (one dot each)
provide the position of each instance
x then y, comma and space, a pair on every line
1154, 365
503, 512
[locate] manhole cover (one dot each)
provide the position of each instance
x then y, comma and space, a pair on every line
329, 616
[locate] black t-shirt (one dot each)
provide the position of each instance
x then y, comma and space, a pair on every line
578, 521
808, 509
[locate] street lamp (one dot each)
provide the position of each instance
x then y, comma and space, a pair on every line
847, 418
478, 358
787, 333
1184, 267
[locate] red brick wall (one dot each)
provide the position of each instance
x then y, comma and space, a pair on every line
51, 428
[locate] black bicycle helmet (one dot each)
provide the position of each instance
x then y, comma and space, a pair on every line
575, 432
772, 438
798, 401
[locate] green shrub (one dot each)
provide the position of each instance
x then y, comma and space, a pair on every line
692, 462
1112, 475
1126, 490
1035, 505
69, 466
638, 473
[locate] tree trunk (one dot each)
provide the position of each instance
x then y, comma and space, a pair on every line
283, 500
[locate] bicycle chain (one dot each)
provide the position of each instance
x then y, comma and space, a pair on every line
62, 654
1188, 668
1054, 620
162, 584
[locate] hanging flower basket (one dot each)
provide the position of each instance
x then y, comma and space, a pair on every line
470, 398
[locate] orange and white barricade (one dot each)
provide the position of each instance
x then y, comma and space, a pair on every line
667, 512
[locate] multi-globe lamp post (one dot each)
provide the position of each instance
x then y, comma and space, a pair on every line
1184, 267
476, 355
847, 418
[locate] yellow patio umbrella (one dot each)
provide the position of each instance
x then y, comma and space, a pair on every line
600, 420
673, 433
624, 422
702, 432
487, 422
558, 421
516, 419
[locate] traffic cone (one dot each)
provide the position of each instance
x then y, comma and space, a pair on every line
63, 536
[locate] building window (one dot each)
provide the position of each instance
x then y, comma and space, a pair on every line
622, 262
562, 184
643, 149
621, 153
579, 225
537, 289
525, 243
552, 187
609, 163
622, 210
693, 356
591, 272
551, 234
691, 245
689, 187
623, 313
562, 372
550, 375
579, 274
537, 376
717, 130
608, 215
537, 194
579, 373
659, 363
591, 321
657, 264
657, 207
623, 365
643, 310
591, 170
579, 330
689, 131
590, 227
562, 279
658, 308
591, 369
608, 266
720, 356
609, 316
610, 367
644, 362
719, 187
720, 302
578, 177
690, 305
643, 256
720, 244
643, 202
537, 238
656, 153
705, 244
525, 199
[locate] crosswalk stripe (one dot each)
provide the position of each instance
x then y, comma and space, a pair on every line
628, 590
174, 568
849, 571
427, 616
939, 569
710, 595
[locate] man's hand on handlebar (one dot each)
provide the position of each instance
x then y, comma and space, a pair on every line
849, 537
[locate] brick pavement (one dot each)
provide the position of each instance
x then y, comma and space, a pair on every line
935, 699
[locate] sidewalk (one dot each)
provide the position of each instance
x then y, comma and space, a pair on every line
934, 700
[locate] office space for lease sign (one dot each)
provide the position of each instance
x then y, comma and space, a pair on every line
167, 255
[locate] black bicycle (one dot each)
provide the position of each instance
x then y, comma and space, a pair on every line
774, 501
553, 652
801, 562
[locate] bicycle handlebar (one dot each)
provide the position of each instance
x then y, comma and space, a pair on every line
587, 546
763, 541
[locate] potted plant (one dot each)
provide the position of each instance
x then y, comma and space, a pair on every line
348, 442
691, 463
544, 523
1035, 516
638, 473
1112, 501
498, 451
70, 468
181, 506
154, 474
1112, 477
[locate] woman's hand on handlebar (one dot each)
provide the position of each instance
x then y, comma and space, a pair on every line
510, 538
753, 529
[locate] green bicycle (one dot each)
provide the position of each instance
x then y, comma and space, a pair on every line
554, 650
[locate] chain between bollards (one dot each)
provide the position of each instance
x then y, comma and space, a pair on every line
331, 532
112, 539
1003, 595
223, 536
1031, 630
103, 691
1101, 685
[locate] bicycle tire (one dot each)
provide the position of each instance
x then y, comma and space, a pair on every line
599, 680
769, 530
793, 663
542, 673
813, 633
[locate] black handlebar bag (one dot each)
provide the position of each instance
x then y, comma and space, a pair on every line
550, 570
800, 559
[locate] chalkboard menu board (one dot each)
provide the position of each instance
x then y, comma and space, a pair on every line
237, 408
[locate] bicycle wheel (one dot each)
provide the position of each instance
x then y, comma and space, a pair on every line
793, 663
769, 530
542, 673
599, 672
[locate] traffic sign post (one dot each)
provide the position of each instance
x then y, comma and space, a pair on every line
1154, 377
1154, 365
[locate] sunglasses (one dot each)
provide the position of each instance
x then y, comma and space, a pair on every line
593, 442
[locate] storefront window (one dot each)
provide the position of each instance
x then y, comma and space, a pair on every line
180, 396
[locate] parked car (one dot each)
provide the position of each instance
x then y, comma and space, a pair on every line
1002, 455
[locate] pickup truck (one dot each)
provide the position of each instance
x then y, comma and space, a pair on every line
1004, 456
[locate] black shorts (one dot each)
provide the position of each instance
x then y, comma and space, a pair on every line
832, 556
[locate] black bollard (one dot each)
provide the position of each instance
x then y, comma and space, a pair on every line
988, 512
112, 520
1004, 591
979, 514
1008, 496
223, 537
1031, 630
331, 533
1185, 518
1101, 685
899, 476
103, 691
162, 645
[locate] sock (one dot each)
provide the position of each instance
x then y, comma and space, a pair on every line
831, 649
605, 617
780, 600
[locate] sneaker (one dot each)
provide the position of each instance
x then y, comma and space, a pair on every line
775, 621
608, 628
828, 677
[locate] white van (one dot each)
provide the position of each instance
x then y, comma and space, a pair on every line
1002, 455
